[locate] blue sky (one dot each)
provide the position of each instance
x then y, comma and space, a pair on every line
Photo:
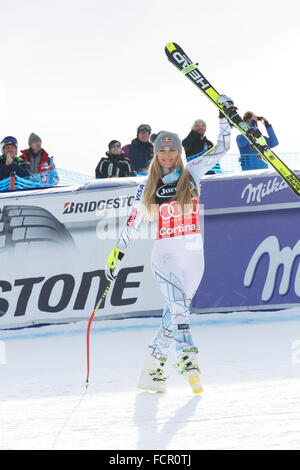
80, 73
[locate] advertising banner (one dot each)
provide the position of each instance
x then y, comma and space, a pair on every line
252, 244
54, 244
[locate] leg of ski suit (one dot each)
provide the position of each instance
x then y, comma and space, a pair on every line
178, 274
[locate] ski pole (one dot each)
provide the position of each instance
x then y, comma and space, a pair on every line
88, 333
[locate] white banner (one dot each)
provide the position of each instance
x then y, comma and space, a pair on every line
53, 247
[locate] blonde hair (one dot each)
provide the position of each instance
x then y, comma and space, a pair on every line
185, 190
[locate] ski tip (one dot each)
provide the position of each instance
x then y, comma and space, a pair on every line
170, 47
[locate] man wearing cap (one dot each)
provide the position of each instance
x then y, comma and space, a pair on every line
36, 156
9, 162
140, 151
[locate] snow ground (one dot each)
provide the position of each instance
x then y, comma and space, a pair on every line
250, 366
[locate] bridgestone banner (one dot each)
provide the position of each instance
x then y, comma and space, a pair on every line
54, 244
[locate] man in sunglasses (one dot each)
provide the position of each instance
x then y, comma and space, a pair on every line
115, 164
248, 157
140, 151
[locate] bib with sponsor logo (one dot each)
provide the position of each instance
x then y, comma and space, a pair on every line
165, 192
171, 222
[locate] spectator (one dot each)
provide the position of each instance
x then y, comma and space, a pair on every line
36, 156
9, 162
115, 164
196, 143
140, 151
248, 157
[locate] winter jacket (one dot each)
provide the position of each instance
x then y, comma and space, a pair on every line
249, 159
19, 167
194, 144
139, 153
38, 161
113, 165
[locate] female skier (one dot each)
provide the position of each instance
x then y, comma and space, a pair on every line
170, 193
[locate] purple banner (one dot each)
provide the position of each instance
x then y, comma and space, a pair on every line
252, 244
252, 189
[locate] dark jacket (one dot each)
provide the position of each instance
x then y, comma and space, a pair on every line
19, 167
194, 144
249, 159
38, 162
113, 165
139, 153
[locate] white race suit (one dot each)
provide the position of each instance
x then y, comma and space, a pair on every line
177, 256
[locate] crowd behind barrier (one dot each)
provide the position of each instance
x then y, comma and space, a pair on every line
34, 168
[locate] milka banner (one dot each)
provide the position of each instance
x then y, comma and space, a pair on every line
54, 244
252, 244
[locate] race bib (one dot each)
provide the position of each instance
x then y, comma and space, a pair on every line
172, 223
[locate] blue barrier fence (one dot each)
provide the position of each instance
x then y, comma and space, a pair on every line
43, 179
230, 162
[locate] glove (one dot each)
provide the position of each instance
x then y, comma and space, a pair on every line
227, 105
113, 264
226, 102
229, 108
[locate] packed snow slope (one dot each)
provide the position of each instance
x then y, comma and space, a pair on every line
250, 366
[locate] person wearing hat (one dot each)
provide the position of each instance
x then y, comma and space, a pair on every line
115, 164
9, 162
140, 151
36, 156
249, 159
169, 195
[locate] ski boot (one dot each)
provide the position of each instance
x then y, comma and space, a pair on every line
188, 367
152, 377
